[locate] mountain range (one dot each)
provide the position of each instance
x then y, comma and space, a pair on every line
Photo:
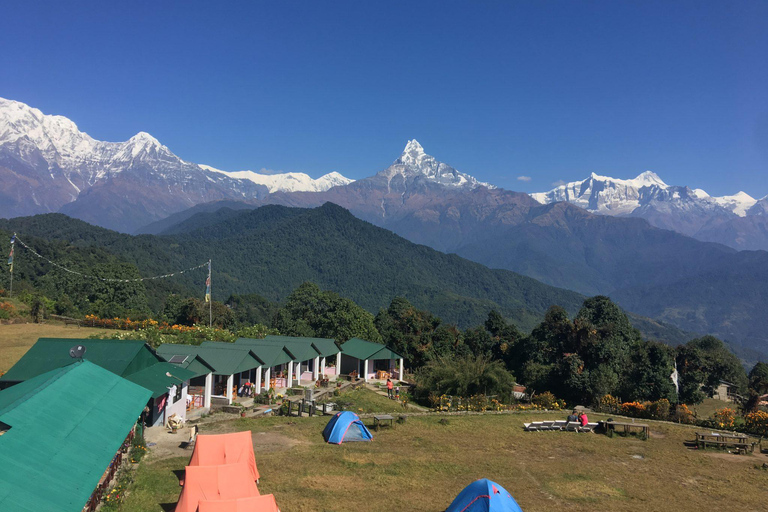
607, 242
48, 165
739, 221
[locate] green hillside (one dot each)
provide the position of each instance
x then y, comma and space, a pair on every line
270, 251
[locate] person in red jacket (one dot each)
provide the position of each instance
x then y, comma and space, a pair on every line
389, 388
583, 419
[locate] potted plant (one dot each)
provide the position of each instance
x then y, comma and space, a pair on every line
242, 412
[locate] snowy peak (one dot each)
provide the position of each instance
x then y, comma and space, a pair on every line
288, 181
414, 163
738, 203
613, 196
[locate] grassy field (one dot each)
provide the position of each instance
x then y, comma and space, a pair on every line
421, 466
15, 339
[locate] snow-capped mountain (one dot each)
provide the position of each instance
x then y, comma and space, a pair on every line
415, 163
288, 181
689, 211
47, 164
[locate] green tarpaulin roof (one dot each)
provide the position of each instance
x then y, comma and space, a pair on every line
326, 346
66, 425
362, 349
225, 358
191, 362
154, 377
121, 357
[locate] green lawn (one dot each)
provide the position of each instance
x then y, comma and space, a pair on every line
421, 466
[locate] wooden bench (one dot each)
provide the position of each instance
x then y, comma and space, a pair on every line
740, 443
378, 421
625, 428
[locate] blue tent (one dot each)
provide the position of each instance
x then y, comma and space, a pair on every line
484, 496
346, 426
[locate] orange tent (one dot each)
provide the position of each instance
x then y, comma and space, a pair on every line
265, 503
212, 483
213, 450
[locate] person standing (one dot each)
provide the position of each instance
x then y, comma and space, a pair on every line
389, 388
397, 392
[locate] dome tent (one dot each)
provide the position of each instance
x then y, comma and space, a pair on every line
346, 426
484, 496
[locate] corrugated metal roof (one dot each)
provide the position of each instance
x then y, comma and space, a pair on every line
362, 349
154, 378
225, 358
271, 353
121, 357
300, 351
326, 346
66, 425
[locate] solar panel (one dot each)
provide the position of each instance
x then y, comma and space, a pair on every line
178, 359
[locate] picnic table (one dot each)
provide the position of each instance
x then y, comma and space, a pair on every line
379, 420
740, 442
625, 428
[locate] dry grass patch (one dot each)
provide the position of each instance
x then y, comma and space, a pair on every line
421, 466
15, 339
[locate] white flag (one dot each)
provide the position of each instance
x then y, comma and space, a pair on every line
675, 379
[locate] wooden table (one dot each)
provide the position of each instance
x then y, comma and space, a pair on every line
379, 420
738, 441
626, 428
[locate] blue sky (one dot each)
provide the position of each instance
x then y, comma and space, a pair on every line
549, 90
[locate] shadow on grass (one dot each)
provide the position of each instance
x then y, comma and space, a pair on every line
168, 507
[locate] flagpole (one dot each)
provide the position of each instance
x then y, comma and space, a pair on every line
210, 302
10, 262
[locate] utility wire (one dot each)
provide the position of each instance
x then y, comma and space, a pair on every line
88, 276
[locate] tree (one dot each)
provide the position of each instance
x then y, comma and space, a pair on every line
416, 334
309, 311
758, 378
702, 364
465, 376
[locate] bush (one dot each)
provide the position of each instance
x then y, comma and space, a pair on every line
610, 404
547, 400
724, 418
757, 422
658, 410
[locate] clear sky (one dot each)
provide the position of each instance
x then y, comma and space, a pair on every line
543, 89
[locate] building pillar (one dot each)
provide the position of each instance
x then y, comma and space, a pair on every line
208, 391
230, 385
338, 364
365, 370
290, 375
322, 366
267, 378
258, 380
298, 373
316, 368
402, 369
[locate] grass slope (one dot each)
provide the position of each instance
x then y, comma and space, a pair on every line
15, 339
422, 465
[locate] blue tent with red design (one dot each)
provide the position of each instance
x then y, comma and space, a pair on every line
346, 426
484, 496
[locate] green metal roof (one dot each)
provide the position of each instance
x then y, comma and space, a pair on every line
121, 357
191, 362
225, 358
66, 425
326, 346
299, 351
362, 349
154, 378
271, 353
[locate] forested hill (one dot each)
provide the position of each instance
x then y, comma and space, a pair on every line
272, 250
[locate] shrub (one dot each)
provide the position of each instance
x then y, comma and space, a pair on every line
547, 400
658, 410
683, 414
757, 422
724, 418
634, 409
610, 404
